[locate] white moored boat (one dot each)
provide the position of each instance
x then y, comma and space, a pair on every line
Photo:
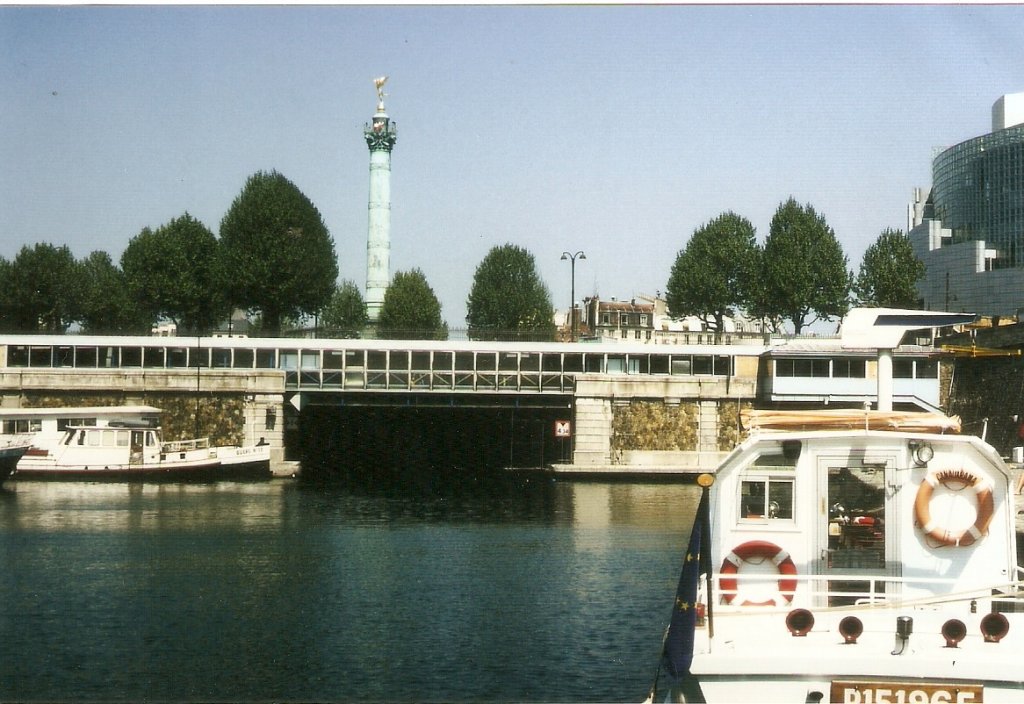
863, 557
121, 442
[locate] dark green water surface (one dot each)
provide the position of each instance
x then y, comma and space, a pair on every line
480, 590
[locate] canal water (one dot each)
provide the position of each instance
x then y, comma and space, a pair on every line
513, 589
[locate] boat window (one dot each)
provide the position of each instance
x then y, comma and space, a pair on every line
65, 423
22, 425
767, 497
856, 515
123, 438
95, 438
151, 439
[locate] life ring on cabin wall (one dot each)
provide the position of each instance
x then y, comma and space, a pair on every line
922, 506
756, 552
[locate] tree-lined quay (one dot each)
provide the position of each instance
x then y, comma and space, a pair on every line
275, 259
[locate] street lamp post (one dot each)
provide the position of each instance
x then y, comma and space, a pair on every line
572, 303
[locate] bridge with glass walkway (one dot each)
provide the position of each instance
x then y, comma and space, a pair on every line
281, 385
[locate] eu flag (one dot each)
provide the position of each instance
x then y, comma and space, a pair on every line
678, 652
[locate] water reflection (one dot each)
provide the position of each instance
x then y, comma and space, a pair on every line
135, 506
512, 589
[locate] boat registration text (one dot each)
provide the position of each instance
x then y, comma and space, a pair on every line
853, 692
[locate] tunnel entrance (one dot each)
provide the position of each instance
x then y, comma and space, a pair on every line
359, 438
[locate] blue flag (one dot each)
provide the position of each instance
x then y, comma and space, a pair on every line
678, 653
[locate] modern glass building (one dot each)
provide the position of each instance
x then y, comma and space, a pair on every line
978, 193
969, 230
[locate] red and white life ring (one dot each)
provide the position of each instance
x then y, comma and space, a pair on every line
756, 552
922, 506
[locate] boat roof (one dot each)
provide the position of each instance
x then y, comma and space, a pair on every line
759, 420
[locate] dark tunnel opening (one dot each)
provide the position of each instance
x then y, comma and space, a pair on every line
354, 440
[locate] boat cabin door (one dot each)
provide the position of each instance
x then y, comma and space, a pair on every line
856, 546
137, 439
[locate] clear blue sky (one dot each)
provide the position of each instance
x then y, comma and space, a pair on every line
617, 130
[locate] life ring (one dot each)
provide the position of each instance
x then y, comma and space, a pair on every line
922, 509
757, 551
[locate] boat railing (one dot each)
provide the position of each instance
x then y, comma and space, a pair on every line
858, 590
186, 445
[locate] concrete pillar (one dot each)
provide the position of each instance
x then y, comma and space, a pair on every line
884, 380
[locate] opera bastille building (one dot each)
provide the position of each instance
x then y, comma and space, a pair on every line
969, 230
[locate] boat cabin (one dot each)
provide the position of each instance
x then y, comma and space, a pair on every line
827, 518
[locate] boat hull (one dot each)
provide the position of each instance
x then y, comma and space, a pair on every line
9, 458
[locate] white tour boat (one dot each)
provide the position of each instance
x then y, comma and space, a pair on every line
862, 557
121, 442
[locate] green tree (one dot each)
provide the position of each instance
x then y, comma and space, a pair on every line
508, 300
172, 273
410, 310
345, 313
715, 273
804, 269
277, 256
40, 290
889, 272
107, 305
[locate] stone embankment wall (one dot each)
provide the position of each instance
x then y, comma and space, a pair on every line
681, 422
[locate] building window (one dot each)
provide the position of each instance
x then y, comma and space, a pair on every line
643, 321
848, 368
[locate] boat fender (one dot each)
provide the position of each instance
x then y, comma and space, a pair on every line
935, 531
756, 552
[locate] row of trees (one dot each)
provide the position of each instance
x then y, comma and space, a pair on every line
800, 273
275, 258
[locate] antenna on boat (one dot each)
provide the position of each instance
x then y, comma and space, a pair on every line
882, 329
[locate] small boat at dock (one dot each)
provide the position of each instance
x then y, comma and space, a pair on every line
122, 443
